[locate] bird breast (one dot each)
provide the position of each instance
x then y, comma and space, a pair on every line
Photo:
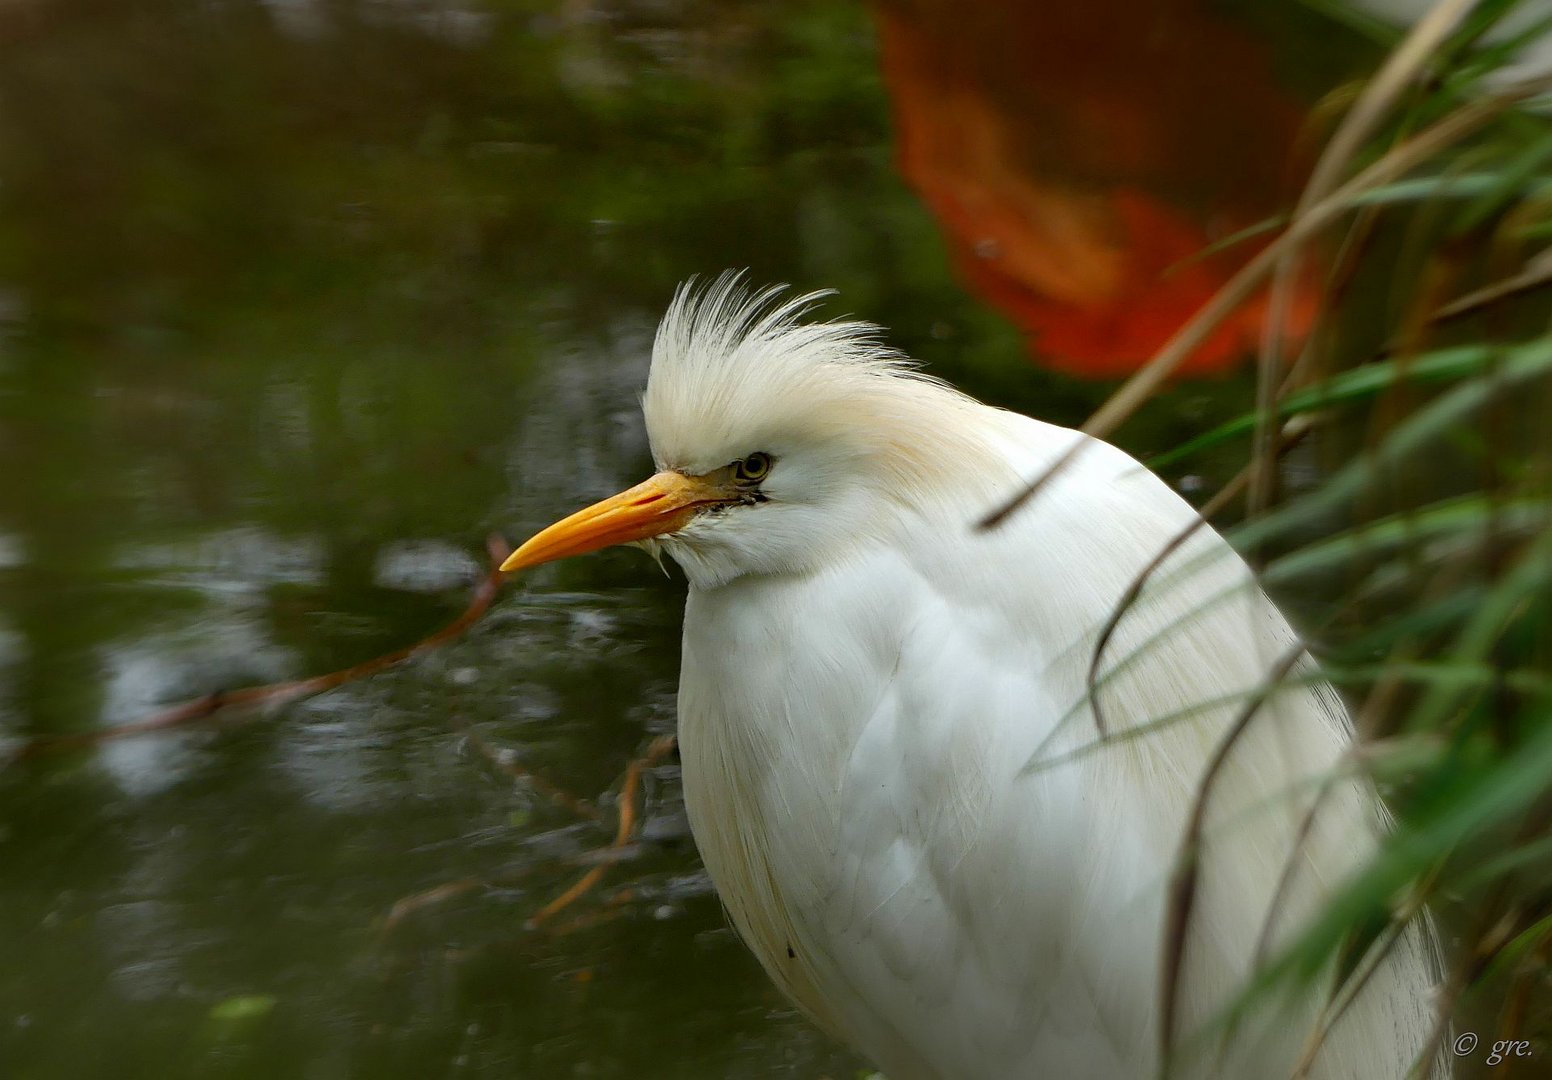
893, 777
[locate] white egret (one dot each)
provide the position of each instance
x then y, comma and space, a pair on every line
890, 764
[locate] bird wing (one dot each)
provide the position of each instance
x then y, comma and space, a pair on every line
895, 780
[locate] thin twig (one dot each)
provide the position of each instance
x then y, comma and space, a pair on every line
279, 693
656, 751
1284, 880
1377, 99
409, 905
1224, 496
1537, 272
1381, 93
1355, 986
608, 911
507, 764
1181, 898
1293, 432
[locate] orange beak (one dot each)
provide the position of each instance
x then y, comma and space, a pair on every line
653, 507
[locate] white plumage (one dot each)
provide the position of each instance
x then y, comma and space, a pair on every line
889, 763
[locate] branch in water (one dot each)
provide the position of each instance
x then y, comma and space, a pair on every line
659, 748
278, 693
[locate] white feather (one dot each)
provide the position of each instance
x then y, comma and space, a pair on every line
867, 681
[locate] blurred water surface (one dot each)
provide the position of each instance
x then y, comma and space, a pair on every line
300, 300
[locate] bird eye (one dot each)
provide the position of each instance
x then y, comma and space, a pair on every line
752, 468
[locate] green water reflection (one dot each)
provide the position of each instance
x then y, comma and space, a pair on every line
300, 301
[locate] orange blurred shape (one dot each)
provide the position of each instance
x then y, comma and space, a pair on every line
1080, 158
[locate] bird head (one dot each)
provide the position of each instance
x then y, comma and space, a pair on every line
778, 442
